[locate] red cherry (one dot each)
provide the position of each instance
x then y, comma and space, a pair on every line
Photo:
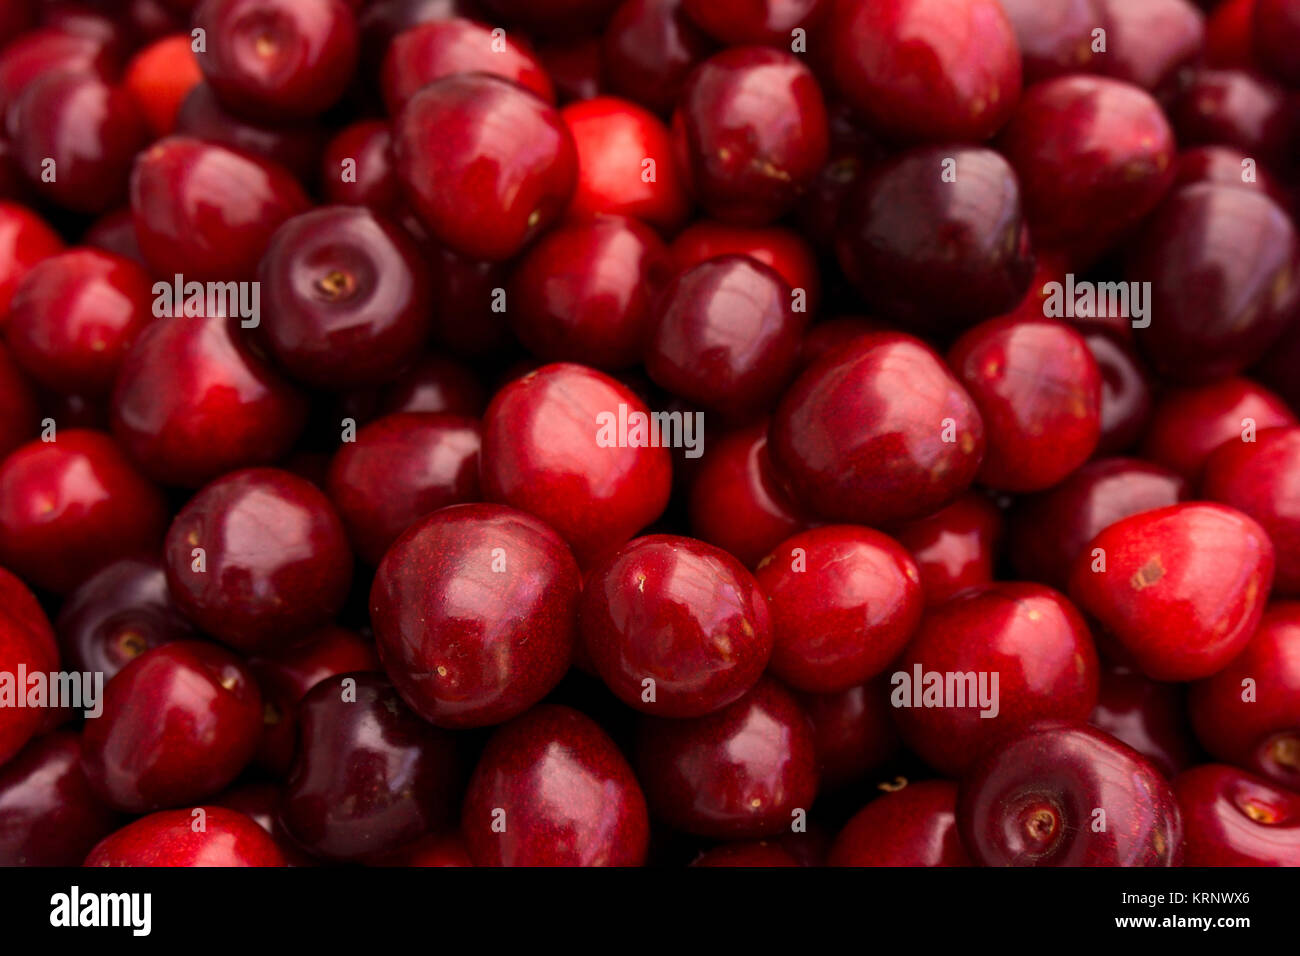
1148, 716
25, 240
1234, 818
1152, 43
260, 802
739, 22
914, 826
24, 643
159, 77
784, 251
356, 167
1276, 34
649, 49
1229, 167
1056, 38
1239, 109
46, 52
552, 790
295, 146
574, 67
444, 849
1125, 392
854, 732
956, 547
171, 838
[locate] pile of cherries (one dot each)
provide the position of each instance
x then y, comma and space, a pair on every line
369, 582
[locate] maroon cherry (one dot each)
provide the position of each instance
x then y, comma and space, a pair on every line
356, 168
25, 240
1235, 818
469, 321
435, 384
1125, 392
551, 789
179, 723
198, 836
1238, 109
1151, 43
1056, 38
783, 249
296, 146
19, 410
956, 547
1229, 167
1148, 716
370, 775
1065, 794
649, 49
738, 22
114, 232
440, 849
854, 732
1275, 30
913, 826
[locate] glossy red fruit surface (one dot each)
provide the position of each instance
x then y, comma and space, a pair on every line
433, 383
74, 315
70, 506
675, 627
1229, 167
782, 249
370, 775
914, 826
565, 793
258, 558
877, 431
278, 59
356, 168
1153, 43
1240, 109
474, 609
845, 601
1276, 31
956, 547
193, 401
486, 165
25, 240
206, 211
170, 838
24, 644
1125, 392
1248, 713
571, 470
739, 773
1149, 716
926, 69
1027, 637
854, 732
1055, 38
1235, 818
649, 49
179, 723
1035, 801
1182, 589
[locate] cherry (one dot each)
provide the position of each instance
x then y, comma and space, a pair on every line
912, 826
19, 410
114, 232
174, 838
435, 384
736, 502
1093, 156
382, 20
438, 48
1056, 38
556, 466
1150, 44
347, 301
1181, 588
260, 802
1236, 108
1049, 531
725, 336
278, 59
1125, 392
1065, 794
1148, 716
784, 251
1188, 424
25, 240
117, 614
159, 77
1249, 712
295, 146
24, 643
584, 292
1222, 309
551, 789
400, 468
474, 609
370, 775
625, 163
193, 401
954, 548
853, 730
1228, 40
743, 772
844, 601
206, 211
1275, 30
740, 22
487, 165
758, 853
877, 430
72, 505
1229, 167
750, 133
46, 52
1235, 818
48, 814
356, 167
926, 69
1029, 636
258, 558
73, 316
466, 288
648, 50
15, 19
179, 723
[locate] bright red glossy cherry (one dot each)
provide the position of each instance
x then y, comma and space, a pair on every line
174, 838
854, 732
356, 168
1275, 29
956, 547
914, 826
19, 408
435, 384
486, 164
1065, 794
24, 644
23, 609
1149, 716
551, 789
1235, 818
179, 723
1229, 167
845, 601
1125, 392
649, 49
1181, 588
25, 240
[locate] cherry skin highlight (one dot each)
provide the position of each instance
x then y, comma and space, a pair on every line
169, 838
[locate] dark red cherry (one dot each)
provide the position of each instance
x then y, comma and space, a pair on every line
71, 505
356, 168
584, 291
1181, 588
474, 609
193, 401
575, 471
1151, 44
25, 240
1275, 30
1148, 716
198, 836
48, 814
370, 775
1065, 794
926, 69
23, 609
400, 468
260, 802
551, 789
486, 165
914, 826
876, 431
435, 384
725, 336
854, 732
258, 558
1229, 167
740, 22
845, 601
382, 20
1235, 818
1228, 40
956, 547
1239, 109
19, 408
24, 644
179, 723
295, 146
117, 614
1125, 392
649, 49
751, 133
1056, 38
782, 249
74, 315
114, 233
675, 627
758, 853
48, 51
278, 59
